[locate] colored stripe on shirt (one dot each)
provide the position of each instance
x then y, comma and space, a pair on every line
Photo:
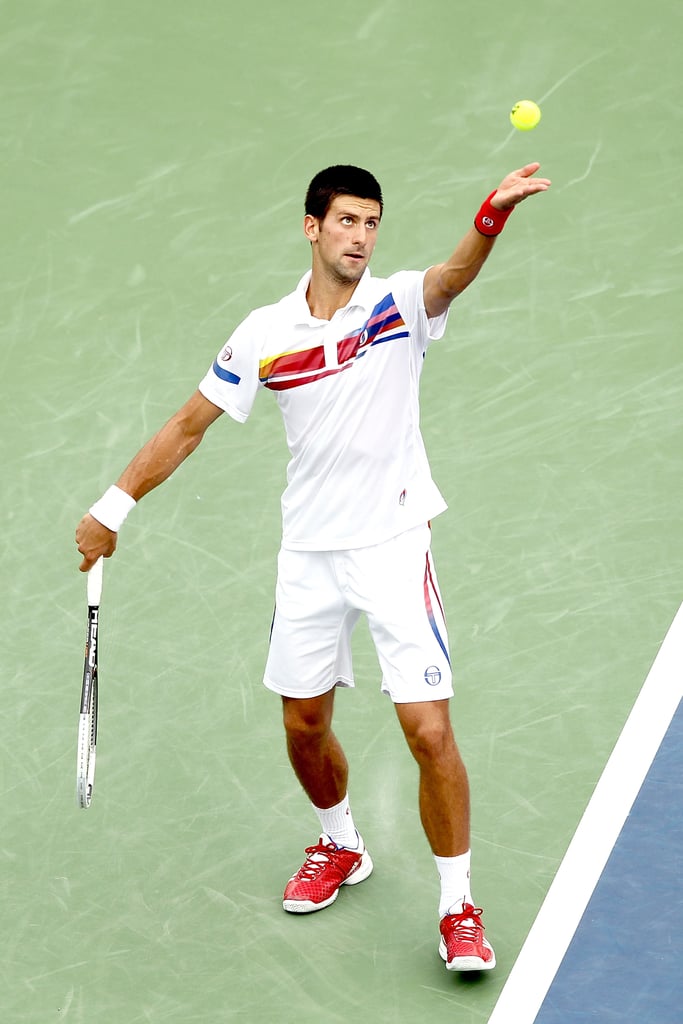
292, 369
230, 378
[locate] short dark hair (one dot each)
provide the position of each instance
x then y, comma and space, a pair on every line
341, 180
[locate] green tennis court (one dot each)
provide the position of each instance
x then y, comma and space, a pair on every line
154, 162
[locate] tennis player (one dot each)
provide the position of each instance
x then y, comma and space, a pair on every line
343, 355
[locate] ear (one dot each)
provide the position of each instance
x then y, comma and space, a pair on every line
311, 227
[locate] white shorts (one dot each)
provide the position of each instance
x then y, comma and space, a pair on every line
320, 596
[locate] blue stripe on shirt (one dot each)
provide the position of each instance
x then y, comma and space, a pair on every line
225, 375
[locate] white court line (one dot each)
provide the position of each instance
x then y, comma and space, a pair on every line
596, 835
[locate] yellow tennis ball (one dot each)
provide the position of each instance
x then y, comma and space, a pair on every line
525, 115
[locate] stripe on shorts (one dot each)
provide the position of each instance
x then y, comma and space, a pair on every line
429, 589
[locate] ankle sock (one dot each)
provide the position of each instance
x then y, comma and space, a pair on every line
454, 873
337, 823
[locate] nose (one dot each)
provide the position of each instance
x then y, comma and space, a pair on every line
360, 234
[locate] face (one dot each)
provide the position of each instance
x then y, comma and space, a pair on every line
344, 240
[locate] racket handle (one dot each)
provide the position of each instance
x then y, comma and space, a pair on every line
95, 583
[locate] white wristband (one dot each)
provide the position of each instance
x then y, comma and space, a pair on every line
112, 508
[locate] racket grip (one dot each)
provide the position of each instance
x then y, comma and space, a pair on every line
95, 583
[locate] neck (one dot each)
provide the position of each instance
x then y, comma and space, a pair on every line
325, 295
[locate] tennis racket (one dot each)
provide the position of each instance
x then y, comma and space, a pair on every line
87, 723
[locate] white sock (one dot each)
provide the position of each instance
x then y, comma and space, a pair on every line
454, 873
337, 823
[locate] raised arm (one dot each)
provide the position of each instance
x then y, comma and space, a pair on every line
446, 280
153, 464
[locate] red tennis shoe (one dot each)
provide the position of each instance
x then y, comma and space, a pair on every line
327, 867
463, 945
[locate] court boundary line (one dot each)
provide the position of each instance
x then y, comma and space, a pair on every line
596, 835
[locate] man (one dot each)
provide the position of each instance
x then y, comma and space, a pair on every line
343, 354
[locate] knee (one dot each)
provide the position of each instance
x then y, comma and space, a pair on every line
430, 739
304, 722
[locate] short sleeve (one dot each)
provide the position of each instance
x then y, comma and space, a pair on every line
232, 380
408, 290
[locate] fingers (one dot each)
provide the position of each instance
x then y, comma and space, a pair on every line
532, 185
519, 185
524, 177
90, 555
93, 539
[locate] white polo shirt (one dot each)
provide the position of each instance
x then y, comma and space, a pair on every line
348, 389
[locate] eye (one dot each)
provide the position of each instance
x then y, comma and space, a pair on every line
372, 224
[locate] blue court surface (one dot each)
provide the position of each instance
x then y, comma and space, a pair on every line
623, 962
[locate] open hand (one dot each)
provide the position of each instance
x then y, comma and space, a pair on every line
517, 185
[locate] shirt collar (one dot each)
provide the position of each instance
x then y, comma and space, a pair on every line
361, 298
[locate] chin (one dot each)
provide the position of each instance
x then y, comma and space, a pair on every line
354, 273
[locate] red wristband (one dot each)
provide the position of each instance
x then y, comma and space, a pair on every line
489, 221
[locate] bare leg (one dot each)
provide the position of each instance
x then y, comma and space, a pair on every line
314, 751
320, 765
444, 788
